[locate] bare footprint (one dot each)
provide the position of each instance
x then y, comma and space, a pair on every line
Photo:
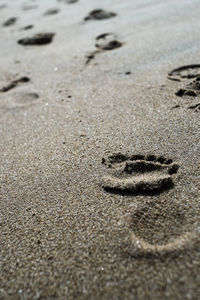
37, 40
138, 174
99, 14
51, 11
158, 229
10, 21
185, 72
68, 1
24, 98
107, 41
104, 42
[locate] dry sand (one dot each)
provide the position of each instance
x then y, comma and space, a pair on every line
99, 156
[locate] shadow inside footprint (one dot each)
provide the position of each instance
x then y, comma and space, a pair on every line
137, 174
99, 14
38, 39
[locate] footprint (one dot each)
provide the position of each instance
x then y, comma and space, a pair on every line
99, 14
191, 88
14, 83
68, 1
10, 21
38, 39
138, 174
51, 11
24, 98
158, 229
28, 27
105, 42
185, 72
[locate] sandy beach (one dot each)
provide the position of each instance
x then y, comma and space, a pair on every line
99, 143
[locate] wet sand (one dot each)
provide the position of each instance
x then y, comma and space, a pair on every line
99, 150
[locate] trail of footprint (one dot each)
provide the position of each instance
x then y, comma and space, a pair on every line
104, 42
14, 83
37, 40
10, 21
158, 229
138, 174
99, 14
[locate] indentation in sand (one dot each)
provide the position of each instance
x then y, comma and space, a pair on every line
23, 99
138, 173
68, 1
107, 41
99, 14
104, 42
10, 21
158, 229
185, 72
191, 88
51, 11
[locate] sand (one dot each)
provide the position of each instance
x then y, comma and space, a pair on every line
92, 124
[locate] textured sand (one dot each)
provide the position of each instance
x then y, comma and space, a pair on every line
62, 236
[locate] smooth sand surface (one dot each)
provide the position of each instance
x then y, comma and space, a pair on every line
73, 224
